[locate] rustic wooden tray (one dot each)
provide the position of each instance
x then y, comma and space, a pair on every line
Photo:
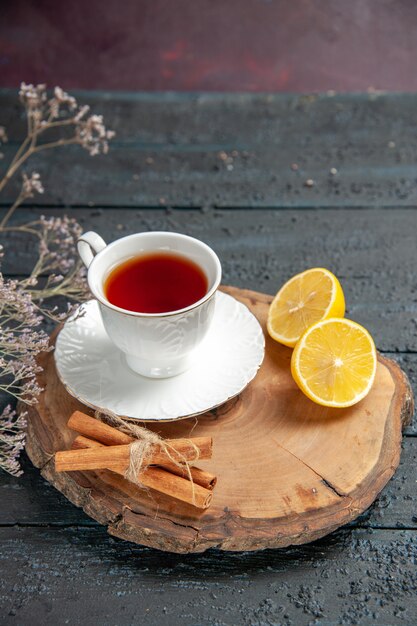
288, 470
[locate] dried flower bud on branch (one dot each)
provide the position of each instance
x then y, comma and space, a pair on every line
57, 271
60, 99
92, 135
20, 341
12, 440
3, 135
61, 112
66, 274
32, 185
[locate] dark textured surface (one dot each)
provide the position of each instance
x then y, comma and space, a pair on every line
237, 151
57, 565
354, 577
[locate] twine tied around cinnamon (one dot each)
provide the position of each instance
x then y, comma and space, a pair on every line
141, 449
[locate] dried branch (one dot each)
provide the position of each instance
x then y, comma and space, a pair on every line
57, 271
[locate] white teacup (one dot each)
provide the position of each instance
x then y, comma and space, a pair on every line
157, 345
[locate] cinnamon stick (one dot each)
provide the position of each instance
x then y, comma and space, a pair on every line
107, 456
110, 436
158, 479
81, 443
199, 476
95, 429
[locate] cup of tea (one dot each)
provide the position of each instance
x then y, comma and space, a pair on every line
156, 292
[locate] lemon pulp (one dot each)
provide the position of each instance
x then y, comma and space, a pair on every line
334, 363
305, 299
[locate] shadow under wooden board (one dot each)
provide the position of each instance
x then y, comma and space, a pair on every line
289, 471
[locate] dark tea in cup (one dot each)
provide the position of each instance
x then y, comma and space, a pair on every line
156, 282
156, 293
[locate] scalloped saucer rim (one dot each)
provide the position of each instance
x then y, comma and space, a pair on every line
92, 370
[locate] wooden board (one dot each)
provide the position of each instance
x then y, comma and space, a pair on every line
289, 471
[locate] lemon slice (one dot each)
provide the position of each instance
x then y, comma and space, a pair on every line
334, 363
305, 299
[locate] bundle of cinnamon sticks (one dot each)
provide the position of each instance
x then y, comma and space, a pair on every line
100, 446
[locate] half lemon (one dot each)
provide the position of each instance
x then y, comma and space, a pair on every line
334, 363
307, 298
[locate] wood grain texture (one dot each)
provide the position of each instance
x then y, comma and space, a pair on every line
32, 501
168, 152
304, 473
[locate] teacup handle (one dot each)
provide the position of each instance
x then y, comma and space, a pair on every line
90, 244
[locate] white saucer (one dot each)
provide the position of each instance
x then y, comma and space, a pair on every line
95, 372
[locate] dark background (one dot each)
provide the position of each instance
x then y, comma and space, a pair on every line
166, 170
210, 45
